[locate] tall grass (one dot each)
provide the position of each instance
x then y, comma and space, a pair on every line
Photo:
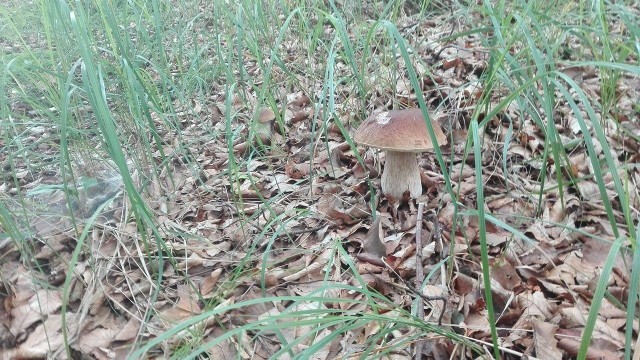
115, 86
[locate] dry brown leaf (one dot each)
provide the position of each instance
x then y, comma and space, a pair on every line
329, 206
186, 306
571, 346
505, 274
129, 331
296, 171
464, 284
98, 341
209, 283
299, 100
373, 240
477, 325
544, 340
314, 266
51, 330
536, 305
40, 306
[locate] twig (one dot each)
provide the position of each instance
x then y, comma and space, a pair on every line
437, 238
407, 286
451, 33
302, 231
419, 267
401, 29
419, 276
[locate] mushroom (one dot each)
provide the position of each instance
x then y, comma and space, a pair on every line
401, 133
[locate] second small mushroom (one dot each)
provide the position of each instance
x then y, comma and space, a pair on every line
402, 134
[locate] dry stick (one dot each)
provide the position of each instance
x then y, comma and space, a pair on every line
437, 237
408, 287
419, 277
417, 290
302, 231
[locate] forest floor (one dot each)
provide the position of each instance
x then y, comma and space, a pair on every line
205, 199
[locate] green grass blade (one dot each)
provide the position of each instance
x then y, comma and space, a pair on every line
598, 295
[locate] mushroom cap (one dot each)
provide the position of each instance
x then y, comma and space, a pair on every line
266, 115
398, 130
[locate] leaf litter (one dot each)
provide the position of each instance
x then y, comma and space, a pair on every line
295, 220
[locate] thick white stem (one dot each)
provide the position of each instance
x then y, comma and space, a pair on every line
400, 174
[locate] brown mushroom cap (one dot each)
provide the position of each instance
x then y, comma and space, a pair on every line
398, 130
266, 115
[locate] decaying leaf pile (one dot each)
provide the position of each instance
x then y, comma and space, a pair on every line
260, 200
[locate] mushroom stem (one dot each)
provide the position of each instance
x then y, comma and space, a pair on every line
400, 174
